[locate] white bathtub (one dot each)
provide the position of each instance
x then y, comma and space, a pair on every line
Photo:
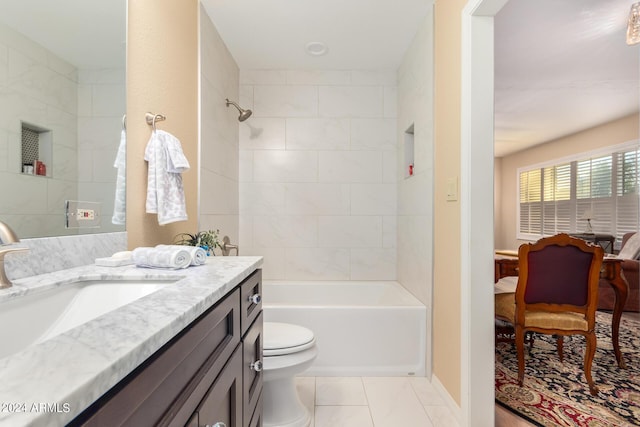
361, 328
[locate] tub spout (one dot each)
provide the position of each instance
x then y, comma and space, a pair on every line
7, 239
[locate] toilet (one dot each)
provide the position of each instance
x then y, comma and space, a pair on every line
287, 351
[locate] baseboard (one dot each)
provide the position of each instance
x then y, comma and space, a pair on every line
456, 411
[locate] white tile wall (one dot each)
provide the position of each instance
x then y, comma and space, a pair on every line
220, 159
318, 173
415, 194
82, 108
101, 105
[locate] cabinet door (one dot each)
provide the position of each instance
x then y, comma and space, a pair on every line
256, 420
223, 401
250, 300
252, 367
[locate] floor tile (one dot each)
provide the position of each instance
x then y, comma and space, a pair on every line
425, 391
343, 416
441, 416
393, 403
340, 391
306, 387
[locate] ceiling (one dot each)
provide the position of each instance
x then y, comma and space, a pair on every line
359, 34
561, 65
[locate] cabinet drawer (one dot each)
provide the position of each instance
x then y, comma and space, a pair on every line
252, 367
161, 390
249, 308
223, 401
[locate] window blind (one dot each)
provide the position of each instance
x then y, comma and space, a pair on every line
558, 197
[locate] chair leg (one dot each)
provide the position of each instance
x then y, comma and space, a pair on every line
588, 361
560, 346
520, 350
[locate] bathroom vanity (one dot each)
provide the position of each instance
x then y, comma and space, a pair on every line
187, 354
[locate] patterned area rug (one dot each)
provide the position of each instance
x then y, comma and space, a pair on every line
557, 394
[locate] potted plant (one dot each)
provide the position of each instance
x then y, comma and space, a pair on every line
207, 240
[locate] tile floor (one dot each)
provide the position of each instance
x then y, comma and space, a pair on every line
373, 402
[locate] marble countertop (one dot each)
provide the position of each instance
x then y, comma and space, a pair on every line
48, 384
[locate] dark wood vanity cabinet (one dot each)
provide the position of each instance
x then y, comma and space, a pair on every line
210, 373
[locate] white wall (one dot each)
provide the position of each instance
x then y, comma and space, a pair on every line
41, 89
218, 198
415, 193
318, 173
101, 105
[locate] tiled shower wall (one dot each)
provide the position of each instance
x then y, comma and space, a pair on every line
101, 106
83, 109
219, 76
318, 173
41, 89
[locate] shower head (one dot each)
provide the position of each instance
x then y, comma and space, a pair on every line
244, 114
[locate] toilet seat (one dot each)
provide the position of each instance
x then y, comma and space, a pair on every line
283, 338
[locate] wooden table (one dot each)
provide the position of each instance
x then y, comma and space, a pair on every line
605, 241
611, 272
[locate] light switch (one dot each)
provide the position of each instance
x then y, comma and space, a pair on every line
452, 189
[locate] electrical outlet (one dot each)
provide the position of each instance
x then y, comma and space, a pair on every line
85, 214
81, 214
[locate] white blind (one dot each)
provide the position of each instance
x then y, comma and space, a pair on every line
557, 198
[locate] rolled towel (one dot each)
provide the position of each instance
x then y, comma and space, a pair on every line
198, 255
162, 258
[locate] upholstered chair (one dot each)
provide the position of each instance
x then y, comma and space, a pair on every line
556, 294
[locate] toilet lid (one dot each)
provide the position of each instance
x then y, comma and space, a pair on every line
285, 338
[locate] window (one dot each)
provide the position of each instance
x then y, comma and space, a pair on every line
558, 197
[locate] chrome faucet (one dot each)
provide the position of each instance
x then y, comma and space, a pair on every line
7, 239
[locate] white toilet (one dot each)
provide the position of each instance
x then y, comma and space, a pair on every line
287, 351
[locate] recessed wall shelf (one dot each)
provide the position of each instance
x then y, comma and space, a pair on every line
37, 145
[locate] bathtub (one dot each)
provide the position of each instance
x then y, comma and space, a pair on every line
361, 328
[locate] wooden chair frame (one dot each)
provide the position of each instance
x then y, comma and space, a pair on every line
588, 310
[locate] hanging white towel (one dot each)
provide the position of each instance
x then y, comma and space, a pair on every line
119, 205
198, 255
161, 257
165, 192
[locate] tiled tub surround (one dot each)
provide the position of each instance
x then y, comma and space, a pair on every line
78, 366
318, 173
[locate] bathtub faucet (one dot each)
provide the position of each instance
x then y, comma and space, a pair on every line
227, 247
7, 239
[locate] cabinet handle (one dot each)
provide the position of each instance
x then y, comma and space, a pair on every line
255, 298
220, 424
256, 366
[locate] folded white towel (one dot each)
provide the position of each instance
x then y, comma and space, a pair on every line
162, 257
165, 192
120, 163
198, 255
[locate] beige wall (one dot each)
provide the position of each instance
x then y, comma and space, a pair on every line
446, 304
162, 78
612, 133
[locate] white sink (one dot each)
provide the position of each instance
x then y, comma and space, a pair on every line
42, 315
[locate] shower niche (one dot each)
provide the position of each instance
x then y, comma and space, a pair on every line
37, 147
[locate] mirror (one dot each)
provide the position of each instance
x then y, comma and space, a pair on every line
62, 101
